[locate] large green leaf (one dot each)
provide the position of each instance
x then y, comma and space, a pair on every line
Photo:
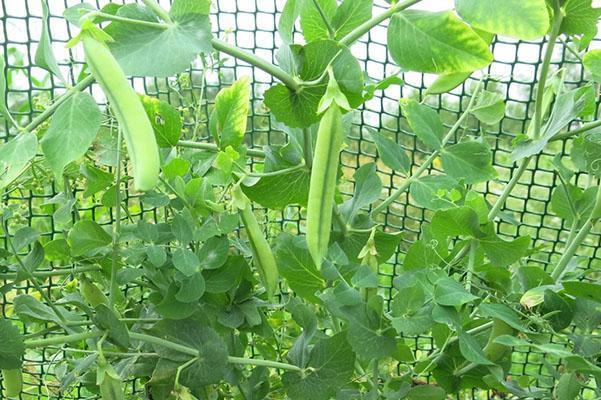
448, 292
425, 122
87, 236
592, 64
72, 131
367, 190
503, 253
432, 191
332, 363
299, 109
391, 153
468, 161
15, 156
149, 51
296, 266
580, 18
165, 119
12, 348
586, 152
516, 18
349, 15
212, 352
460, 221
229, 117
278, 191
312, 23
44, 56
436, 42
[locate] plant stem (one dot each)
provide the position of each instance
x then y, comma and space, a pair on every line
540, 91
158, 10
509, 188
278, 172
418, 173
308, 147
325, 19
194, 352
140, 22
252, 59
584, 128
263, 363
63, 339
48, 274
213, 147
365, 27
566, 257
114, 288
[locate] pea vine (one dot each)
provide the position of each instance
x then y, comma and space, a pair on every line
188, 259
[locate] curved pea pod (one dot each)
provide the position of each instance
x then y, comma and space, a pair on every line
495, 351
263, 257
12, 382
322, 189
92, 293
129, 111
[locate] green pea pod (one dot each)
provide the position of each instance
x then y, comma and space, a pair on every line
129, 111
330, 137
91, 293
495, 351
13, 382
263, 257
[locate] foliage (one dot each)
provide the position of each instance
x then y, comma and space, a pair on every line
196, 295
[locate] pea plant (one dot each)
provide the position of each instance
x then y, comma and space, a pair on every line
184, 263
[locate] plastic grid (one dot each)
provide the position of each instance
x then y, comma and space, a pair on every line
251, 25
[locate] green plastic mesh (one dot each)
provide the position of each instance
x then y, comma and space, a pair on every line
251, 24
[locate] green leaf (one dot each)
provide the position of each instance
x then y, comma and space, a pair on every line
214, 252
580, 18
299, 109
227, 277
470, 349
391, 153
367, 190
585, 290
229, 117
426, 392
504, 313
72, 131
567, 107
165, 119
503, 253
568, 387
431, 192
425, 123
183, 8
171, 308
297, 267
44, 56
448, 292
592, 64
470, 162
28, 308
446, 83
108, 320
489, 108
96, 179
12, 348
559, 312
519, 19
278, 191
435, 42
15, 156
87, 236
212, 352
349, 15
24, 237
191, 287
288, 17
186, 262
460, 221
586, 153
148, 51
3, 106
332, 361
312, 23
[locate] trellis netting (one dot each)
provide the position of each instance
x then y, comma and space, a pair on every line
549, 201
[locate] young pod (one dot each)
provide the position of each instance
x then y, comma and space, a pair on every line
263, 257
129, 111
322, 189
12, 380
91, 293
